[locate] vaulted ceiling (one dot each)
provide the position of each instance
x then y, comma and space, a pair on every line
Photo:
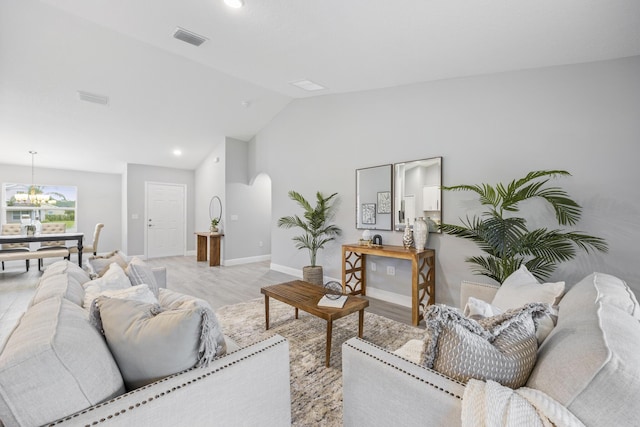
165, 94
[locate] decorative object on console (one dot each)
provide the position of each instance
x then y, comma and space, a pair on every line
420, 233
317, 229
333, 289
377, 240
214, 225
507, 240
407, 237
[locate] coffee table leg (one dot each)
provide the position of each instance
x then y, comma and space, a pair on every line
329, 331
360, 322
266, 310
296, 312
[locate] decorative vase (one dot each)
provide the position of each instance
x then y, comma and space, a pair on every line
420, 233
312, 274
407, 237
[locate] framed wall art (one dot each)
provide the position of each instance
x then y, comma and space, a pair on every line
384, 202
368, 213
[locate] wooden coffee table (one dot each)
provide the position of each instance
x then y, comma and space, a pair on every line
305, 296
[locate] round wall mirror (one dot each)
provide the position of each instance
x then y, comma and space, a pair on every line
215, 208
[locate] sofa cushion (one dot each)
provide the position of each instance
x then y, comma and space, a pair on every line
54, 364
521, 288
150, 343
589, 362
71, 268
113, 279
59, 285
140, 273
501, 348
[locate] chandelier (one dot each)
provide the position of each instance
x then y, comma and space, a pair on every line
32, 197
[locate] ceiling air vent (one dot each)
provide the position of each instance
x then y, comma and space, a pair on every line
92, 97
189, 37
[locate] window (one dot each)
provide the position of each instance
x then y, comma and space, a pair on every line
46, 203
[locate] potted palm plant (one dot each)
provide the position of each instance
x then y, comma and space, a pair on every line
505, 237
317, 230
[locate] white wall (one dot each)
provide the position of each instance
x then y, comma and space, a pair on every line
494, 128
248, 209
209, 181
98, 199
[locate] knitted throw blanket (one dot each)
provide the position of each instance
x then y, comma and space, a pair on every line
490, 404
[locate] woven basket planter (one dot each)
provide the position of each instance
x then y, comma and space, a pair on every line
312, 274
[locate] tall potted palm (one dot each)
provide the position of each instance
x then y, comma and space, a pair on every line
316, 227
505, 237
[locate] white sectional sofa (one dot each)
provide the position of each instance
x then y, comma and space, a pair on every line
590, 364
56, 369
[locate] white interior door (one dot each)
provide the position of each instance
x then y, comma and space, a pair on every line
165, 219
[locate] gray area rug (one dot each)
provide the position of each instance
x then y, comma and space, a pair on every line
316, 391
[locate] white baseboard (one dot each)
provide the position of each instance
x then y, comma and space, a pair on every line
387, 296
248, 260
191, 253
286, 270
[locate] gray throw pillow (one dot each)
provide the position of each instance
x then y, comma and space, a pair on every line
501, 348
150, 343
140, 273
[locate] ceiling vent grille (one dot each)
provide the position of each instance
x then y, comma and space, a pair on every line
189, 36
92, 97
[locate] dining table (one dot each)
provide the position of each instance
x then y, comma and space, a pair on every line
24, 238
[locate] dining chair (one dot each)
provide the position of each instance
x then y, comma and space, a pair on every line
93, 247
58, 246
13, 230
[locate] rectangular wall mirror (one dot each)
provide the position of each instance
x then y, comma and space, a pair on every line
418, 192
374, 199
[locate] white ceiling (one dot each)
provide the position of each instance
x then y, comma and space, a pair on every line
165, 94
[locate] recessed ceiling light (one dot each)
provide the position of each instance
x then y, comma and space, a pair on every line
236, 4
308, 85
177, 152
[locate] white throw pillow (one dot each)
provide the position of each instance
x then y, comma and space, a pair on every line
140, 293
477, 309
412, 350
113, 279
521, 288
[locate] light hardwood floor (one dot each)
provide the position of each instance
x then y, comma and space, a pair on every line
220, 286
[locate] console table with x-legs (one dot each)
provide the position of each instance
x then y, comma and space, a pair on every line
423, 273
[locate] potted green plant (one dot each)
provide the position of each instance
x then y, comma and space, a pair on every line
505, 237
214, 225
317, 230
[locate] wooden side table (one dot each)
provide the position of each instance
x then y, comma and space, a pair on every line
423, 273
214, 247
